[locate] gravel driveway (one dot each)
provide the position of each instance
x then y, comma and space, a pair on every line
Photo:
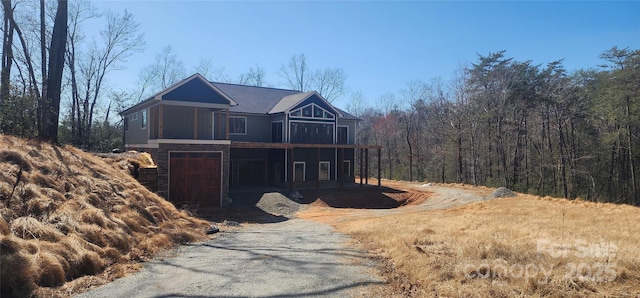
292, 258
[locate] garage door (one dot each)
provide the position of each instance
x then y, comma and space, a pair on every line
195, 178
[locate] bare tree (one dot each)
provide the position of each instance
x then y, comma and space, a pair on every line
51, 108
166, 70
356, 105
7, 50
329, 83
255, 77
206, 68
118, 41
295, 73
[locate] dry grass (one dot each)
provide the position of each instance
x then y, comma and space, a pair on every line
522, 246
69, 220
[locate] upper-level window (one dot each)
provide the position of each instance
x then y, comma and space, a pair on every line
238, 125
144, 118
312, 111
328, 115
343, 135
306, 111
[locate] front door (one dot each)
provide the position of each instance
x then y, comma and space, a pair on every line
298, 171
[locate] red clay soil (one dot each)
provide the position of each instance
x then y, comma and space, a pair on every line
365, 197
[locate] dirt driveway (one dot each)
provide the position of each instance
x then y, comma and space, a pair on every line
282, 257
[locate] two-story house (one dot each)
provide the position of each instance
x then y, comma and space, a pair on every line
208, 137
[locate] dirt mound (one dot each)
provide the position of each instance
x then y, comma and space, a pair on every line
65, 214
501, 192
278, 204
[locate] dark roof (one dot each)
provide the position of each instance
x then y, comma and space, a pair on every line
265, 100
251, 99
346, 115
243, 99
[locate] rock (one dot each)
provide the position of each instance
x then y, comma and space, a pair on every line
231, 223
212, 230
427, 185
501, 192
296, 196
278, 204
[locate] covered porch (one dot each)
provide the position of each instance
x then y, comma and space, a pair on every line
188, 122
301, 165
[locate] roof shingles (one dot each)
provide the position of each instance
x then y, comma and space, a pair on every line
251, 99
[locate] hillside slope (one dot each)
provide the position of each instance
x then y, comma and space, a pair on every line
65, 214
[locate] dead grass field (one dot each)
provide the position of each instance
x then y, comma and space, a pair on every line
509, 247
70, 220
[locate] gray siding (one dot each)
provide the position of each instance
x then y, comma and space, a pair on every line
135, 134
352, 129
276, 118
178, 123
258, 129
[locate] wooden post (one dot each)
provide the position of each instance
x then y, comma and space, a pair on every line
361, 173
227, 126
318, 164
160, 122
291, 174
366, 166
219, 124
379, 171
342, 168
195, 123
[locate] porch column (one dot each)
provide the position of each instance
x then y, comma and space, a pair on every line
318, 165
361, 173
379, 167
366, 166
219, 125
160, 122
227, 126
195, 123
342, 168
291, 174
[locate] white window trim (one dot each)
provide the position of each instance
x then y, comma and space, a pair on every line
271, 129
144, 119
245, 126
328, 170
338, 126
313, 107
348, 167
332, 123
304, 170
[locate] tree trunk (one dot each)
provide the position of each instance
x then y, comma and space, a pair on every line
408, 123
51, 109
7, 51
43, 68
632, 170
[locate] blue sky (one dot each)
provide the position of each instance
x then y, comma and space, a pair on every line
380, 45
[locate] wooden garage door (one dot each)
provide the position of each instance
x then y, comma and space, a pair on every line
194, 178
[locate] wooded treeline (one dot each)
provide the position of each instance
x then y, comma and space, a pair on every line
531, 128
